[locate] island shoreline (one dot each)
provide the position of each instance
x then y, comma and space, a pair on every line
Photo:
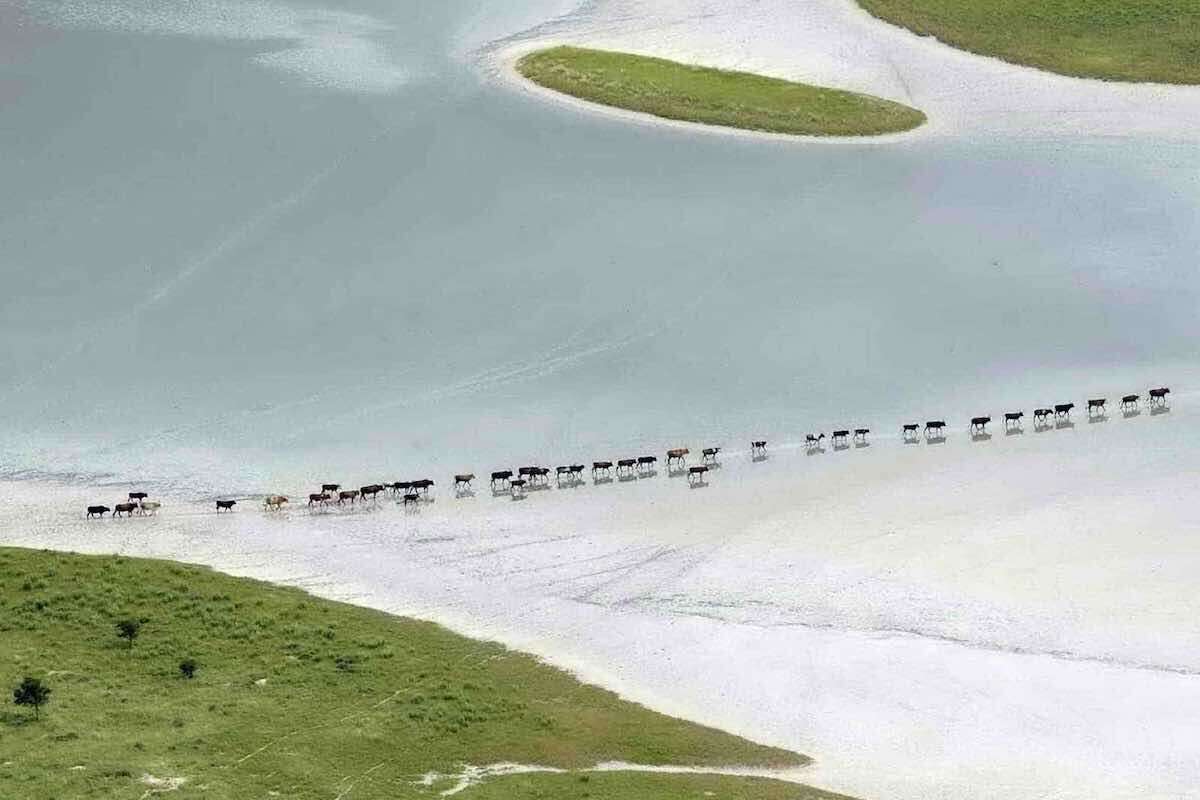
961, 93
504, 69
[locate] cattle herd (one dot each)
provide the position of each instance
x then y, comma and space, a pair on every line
516, 485
138, 503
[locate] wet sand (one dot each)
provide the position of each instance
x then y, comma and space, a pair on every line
973, 619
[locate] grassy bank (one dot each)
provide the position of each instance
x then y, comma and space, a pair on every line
1147, 40
715, 97
304, 698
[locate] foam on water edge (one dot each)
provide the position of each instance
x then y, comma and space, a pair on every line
330, 48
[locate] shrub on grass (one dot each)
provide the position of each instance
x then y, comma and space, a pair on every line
187, 668
128, 629
32, 692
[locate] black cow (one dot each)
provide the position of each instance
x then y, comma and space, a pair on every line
532, 474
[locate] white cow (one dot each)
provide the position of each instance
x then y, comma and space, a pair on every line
274, 502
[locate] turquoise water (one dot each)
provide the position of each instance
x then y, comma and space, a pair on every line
242, 243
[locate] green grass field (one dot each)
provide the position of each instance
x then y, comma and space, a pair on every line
296, 697
1125, 40
715, 97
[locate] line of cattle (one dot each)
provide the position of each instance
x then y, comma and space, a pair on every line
412, 492
516, 484
532, 477
1097, 408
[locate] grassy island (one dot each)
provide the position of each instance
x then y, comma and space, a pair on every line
1146, 40
689, 93
173, 679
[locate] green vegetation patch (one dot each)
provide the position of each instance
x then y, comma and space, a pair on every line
167, 677
650, 786
1126, 40
712, 96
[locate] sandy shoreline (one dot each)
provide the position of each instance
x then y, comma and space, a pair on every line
504, 70
836, 43
868, 608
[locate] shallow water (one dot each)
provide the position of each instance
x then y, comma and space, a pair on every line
250, 246
218, 255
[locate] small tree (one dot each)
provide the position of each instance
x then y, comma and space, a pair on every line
31, 692
187, 668
129, 629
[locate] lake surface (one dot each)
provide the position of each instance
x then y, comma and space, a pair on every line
229, 271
